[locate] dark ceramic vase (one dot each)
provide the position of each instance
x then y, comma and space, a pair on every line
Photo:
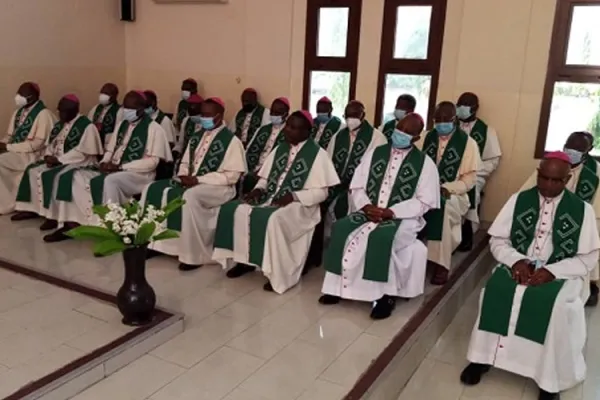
136, 298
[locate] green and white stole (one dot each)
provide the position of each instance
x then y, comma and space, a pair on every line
538, 301
294, 180
47, 177
479, 134
389, 128
587, 185
107, 124
331, 127
381, 239
21, 130
448, 170
160, 117
258, 145
255, 123
182, 110
211, 162
345, 162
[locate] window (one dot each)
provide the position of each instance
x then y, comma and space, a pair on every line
411, 51
332, 36
571, 99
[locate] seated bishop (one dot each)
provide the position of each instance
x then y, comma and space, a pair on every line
108, 113
210, 168
264, 141
457, 158
374, 254
24, 144
159, 117
250, 118
531, 318
73, 142
326, 125
405, 104
583, 182
273, 227
189, 126
127, 167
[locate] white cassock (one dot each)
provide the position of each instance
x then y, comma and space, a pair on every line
181, 137
84, 154
118, 121
377, 140
290, 228
202, 202
266, 119
558, 364
19, 155
489, 162
321, 129
167, 126
409, 255
572, 185
269, 145
457, 206
119, 187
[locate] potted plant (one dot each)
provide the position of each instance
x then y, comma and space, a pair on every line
128, 229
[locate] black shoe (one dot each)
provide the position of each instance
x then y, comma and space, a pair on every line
48, 225
239, 270
548, 396
383, 307
472, 374
592, 301
467, 237
267, 287
152, 253
329, 300
188, 267
23, 215
57, 236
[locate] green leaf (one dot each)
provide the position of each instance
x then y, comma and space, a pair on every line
173, 206
109, 247
131, 208
101, 210
96, 233
168, 234
144, 233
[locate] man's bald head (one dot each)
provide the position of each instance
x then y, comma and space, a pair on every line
412, 124
553, 175
445, 112
355, 109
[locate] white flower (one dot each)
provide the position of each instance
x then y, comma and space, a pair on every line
126, 240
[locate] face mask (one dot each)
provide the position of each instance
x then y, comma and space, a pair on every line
248, 107
575, 156
401, 140
20, 101
323, 117
399, 114
185, 94
103, 99
353, 123
444, 128
463, 112
149, 110
196, 119
129, 114
276, 120
207, 123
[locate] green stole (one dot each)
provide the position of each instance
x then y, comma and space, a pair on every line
255, 123
20, 132
587, 185
160, 117
479, 134
331, 127
107, 125
294, 180
210, 163
47, 177
448, 171
389, 128
136, 147
538, 301
346, 162
182, 110
381, 239
253, 152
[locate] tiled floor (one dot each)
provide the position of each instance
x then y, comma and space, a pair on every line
43, 328
240, 342
437, 378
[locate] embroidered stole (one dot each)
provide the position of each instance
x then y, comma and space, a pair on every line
21, 131
255, 123
331, 128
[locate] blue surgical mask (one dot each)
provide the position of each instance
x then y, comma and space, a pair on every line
463, 112
401, 140
399, 114
322, 118
149, 110
575, 156
130, 114
444, 128
207, 123
196, 119
276, 120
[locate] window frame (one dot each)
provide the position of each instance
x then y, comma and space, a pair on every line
429, 66
558, 70
347, 64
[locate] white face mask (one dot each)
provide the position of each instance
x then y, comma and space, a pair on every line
353, 123
20, 101
103, 99
185, 94
130, 114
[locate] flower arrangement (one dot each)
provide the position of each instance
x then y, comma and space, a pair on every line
127, 226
